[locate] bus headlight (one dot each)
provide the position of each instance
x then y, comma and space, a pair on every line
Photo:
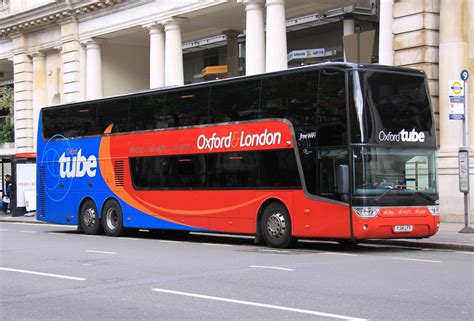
434, 210
366, 211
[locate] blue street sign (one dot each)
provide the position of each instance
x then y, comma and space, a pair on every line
464, 75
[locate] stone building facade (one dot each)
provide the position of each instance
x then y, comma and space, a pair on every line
60, 51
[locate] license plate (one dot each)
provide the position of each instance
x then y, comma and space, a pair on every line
402, 228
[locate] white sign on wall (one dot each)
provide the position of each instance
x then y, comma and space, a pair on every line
306, 53
25, 181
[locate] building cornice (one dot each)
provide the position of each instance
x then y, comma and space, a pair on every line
53, 13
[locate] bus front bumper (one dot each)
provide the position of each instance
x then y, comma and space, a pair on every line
396, 224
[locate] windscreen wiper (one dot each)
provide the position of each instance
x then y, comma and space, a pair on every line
389, 189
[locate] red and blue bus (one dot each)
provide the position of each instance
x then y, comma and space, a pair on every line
331, 151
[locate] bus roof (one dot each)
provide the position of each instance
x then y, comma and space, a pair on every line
339, 65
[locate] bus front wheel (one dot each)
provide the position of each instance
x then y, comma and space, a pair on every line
112, 218
276, 226
89, 221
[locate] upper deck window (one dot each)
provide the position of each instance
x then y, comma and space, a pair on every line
389, 103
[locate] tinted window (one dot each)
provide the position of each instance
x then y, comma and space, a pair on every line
54, 121
187, 171
220, 170
331, 114
234, 101
81, 121
308, 157
277, 168
329, 161
401, 101
148, 172
233, 170
395, 102
184, 171
187, 107
293, 97
113, 112
147, 112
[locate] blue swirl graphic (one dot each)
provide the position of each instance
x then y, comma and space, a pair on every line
53, 179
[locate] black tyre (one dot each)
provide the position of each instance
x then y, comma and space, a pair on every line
276, 226
112, 218
89, 221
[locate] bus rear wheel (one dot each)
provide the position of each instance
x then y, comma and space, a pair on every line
276, 226
112, 218
89, 221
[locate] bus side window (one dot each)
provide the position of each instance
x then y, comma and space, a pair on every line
147, 112
293, 97
234, 101
329, 161
190, 171
331, 113
232, 170
57, 121
277, 168
187, 107
81, 121
113, 112
332, 130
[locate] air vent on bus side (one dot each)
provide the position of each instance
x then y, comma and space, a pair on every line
119, 173
42, 191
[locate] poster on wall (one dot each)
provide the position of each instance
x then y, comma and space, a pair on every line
25, 181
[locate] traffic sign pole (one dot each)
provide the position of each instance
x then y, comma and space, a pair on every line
467, 220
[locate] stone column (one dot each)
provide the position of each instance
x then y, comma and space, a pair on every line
157, 56
254, 37
232, 53
348, 25
71, 62
385, 33
39, 89
23, 95
276, 55
470, 10
94, 69
453, 57
174, 73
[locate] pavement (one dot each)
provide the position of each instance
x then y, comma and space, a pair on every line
448, 236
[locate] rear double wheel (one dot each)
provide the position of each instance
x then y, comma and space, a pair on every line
89, 221
276, 226
112, 218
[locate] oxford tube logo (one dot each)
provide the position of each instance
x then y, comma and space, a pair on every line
403, 136
73, 164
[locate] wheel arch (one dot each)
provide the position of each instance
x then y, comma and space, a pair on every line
262, 207
110, 198
84, 199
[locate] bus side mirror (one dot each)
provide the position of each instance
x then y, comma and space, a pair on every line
343, 179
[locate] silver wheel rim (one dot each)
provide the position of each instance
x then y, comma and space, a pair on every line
111, 218
89, 216
276, 225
